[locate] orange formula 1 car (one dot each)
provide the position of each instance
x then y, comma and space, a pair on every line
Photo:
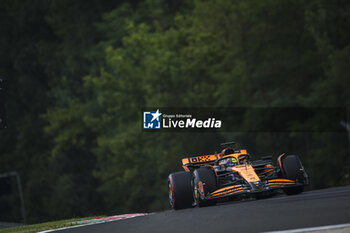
220, 176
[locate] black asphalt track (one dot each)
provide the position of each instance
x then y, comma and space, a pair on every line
309, 209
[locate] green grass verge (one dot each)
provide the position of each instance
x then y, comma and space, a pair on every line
45, 226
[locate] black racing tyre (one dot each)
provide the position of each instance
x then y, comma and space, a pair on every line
207, 177
293, 170
180, 190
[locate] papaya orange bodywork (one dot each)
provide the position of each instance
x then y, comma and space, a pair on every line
227, 188
281, 182
228, 192
185, 168
203, 159
268, 169
280, 159
247, 172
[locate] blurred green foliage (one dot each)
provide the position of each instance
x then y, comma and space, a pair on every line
78, 74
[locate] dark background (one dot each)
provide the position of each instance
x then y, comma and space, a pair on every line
78, 74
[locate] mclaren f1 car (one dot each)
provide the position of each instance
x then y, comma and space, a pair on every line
222, 176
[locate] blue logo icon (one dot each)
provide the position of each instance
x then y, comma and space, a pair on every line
151, 120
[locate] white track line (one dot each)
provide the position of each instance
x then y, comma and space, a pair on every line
90, 222
310, 229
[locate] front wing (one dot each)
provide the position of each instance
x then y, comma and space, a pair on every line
252, 188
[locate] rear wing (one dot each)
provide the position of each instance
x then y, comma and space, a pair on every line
197, 161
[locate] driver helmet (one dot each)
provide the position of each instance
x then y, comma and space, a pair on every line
232, 162
229, 162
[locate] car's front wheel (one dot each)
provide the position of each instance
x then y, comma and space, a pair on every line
204, 182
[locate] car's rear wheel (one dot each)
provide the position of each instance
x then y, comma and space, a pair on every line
180, 190
204, 182
293, 170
